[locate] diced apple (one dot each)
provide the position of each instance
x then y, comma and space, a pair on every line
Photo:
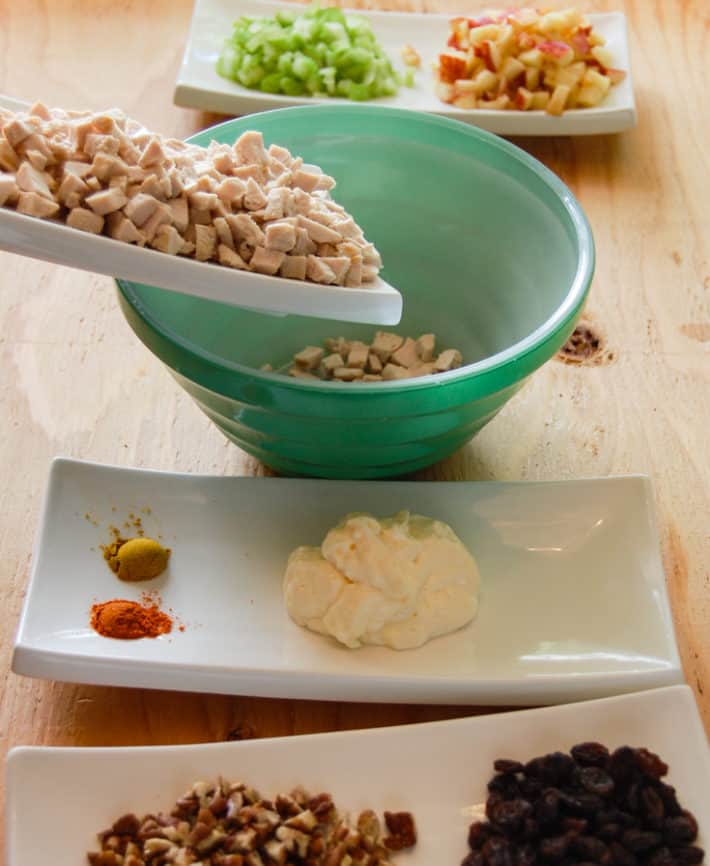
540, 100
485, 81
511, 69
616, 76
444, 91
466, 100
523, 99
568, 75
532, 78
502, 101
558, 100
559, 52
560, 22
603, 55
488, 32
533, 58
464, 86
451, 67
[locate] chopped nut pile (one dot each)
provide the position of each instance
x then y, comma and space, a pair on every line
387, 357
225, 824
242, 206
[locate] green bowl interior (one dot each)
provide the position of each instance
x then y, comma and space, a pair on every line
486, 246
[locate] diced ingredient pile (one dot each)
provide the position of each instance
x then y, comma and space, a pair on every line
525, 59
589, 806
395, 582
232, 825
242, 206
387, 357
321, 52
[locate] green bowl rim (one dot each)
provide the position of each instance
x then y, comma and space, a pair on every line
514, 354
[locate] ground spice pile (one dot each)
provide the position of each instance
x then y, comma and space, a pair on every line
129, 620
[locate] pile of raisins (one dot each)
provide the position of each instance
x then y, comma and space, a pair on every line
589, 807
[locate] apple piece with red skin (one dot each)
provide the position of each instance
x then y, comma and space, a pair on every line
557, 50
451, 68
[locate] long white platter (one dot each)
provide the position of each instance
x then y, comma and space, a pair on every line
58, 799
573, 602
199, 86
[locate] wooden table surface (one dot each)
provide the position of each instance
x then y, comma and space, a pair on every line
75, 381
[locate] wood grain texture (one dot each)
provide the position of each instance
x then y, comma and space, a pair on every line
75, 381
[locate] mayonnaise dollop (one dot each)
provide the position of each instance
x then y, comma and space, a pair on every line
396, 582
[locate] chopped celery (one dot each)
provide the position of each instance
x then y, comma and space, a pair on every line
321, 52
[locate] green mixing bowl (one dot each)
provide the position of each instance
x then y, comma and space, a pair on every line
491, 252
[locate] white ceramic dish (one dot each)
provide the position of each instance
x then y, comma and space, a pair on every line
573, 600
443, 786
199, 86
53, 241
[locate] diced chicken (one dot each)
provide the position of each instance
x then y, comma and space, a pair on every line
71, 191
339, 345
347, 228
370, 256
180, 213
224, 161
393, 371
422, 369
304, 245
248, 230
93, 183
229, 257
108, 165
244, 172
318, 271
277, 204
204, 200
122, 229
31, 180
17, 131
280, 235
161, 216
78, 169
140, 208
39, 109
224, 233
36, 159
38, 143
371, 377
305, 180
245, 250
151, 186
281, 154
357, 356
406, 355
353, 278
200, 217
249, 148
319, 233
332, 362
266, 261
369, 273
348, 374
448, 360
385, 344
298, 373
9, 189
168, 240
254, 198
309, 358
340, 265
106, 201
231, 191
33, 204
425, 347
95, 143
9, 160
373, 363
153, 154
294, 268
85, 220
205, 242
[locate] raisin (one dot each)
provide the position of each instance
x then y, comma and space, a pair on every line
530, 830
680, 828
662, 857
615, 816
475, 858
621, 856
503, 765
526, 856
670, 801
554, 848
547, 809
588, 848
622, 765
127, 825
590, 754
478, 833
650, 764
530, 788
498, 852
509, 815
640, 840
552, 769
575, 826
504, 784
610, 831
581, 802
596, 781
688, 855
652, 807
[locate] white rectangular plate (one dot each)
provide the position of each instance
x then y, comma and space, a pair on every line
199, 86
573, 601
438, 771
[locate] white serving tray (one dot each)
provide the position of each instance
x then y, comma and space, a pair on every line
573, 599
199, 86
438, 771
